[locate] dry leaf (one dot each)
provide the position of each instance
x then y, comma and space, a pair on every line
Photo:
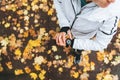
42, 75
9, 65
116, 61
1, 68
100, 56
92, 65
7, 25
54, 48
75, 75
38, 60
18, 52
33, 75
37, 67
4, 42
60, 69
19, 72
84, 76
27, 69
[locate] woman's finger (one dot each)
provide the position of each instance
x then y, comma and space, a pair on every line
70, 34
62, 39
57, 38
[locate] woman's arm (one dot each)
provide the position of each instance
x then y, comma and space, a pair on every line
63, 22
103, 37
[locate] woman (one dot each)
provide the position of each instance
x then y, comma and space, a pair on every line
84, 20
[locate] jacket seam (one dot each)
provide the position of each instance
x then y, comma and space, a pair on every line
111, 32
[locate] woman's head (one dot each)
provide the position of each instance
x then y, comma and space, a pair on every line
103, 3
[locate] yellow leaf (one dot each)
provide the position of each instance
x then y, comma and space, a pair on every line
106, 60
7, 25
9, 65
1, 68
20, 12
37, 67
86, 67
26, 18
27, 70
50, 12
4, 42
25, 34
60, 69
49, 64
92, 64
42, 31
105, 75
34, 43
108, 77
39, 60
42, 75
100, 56
35, 7
19, 72
49, 52
54, 48
33, 75
18, 25
43, 72
75, 75
84, 76
25, 12
18, 52
70, 61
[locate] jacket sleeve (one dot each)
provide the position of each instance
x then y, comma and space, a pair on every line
103, 37
60, 14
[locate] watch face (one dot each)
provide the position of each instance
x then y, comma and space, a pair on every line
68, 42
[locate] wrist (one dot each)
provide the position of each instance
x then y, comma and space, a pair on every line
64, 29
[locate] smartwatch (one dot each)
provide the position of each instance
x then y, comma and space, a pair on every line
68, 42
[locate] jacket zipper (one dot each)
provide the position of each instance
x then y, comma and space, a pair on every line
76, 14
73, 7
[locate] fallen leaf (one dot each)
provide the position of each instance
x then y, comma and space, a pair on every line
19, 72
7, 25
75, 75
54, 48
42, 75
18, 52
4, 42
84, 76
60, 69
38, 60
27, 69
1, 68
9, 65
37, 67
33, 75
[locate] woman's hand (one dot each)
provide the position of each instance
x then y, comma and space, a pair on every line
61, 38
103, 3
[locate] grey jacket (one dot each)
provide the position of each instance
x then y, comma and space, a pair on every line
88, 22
